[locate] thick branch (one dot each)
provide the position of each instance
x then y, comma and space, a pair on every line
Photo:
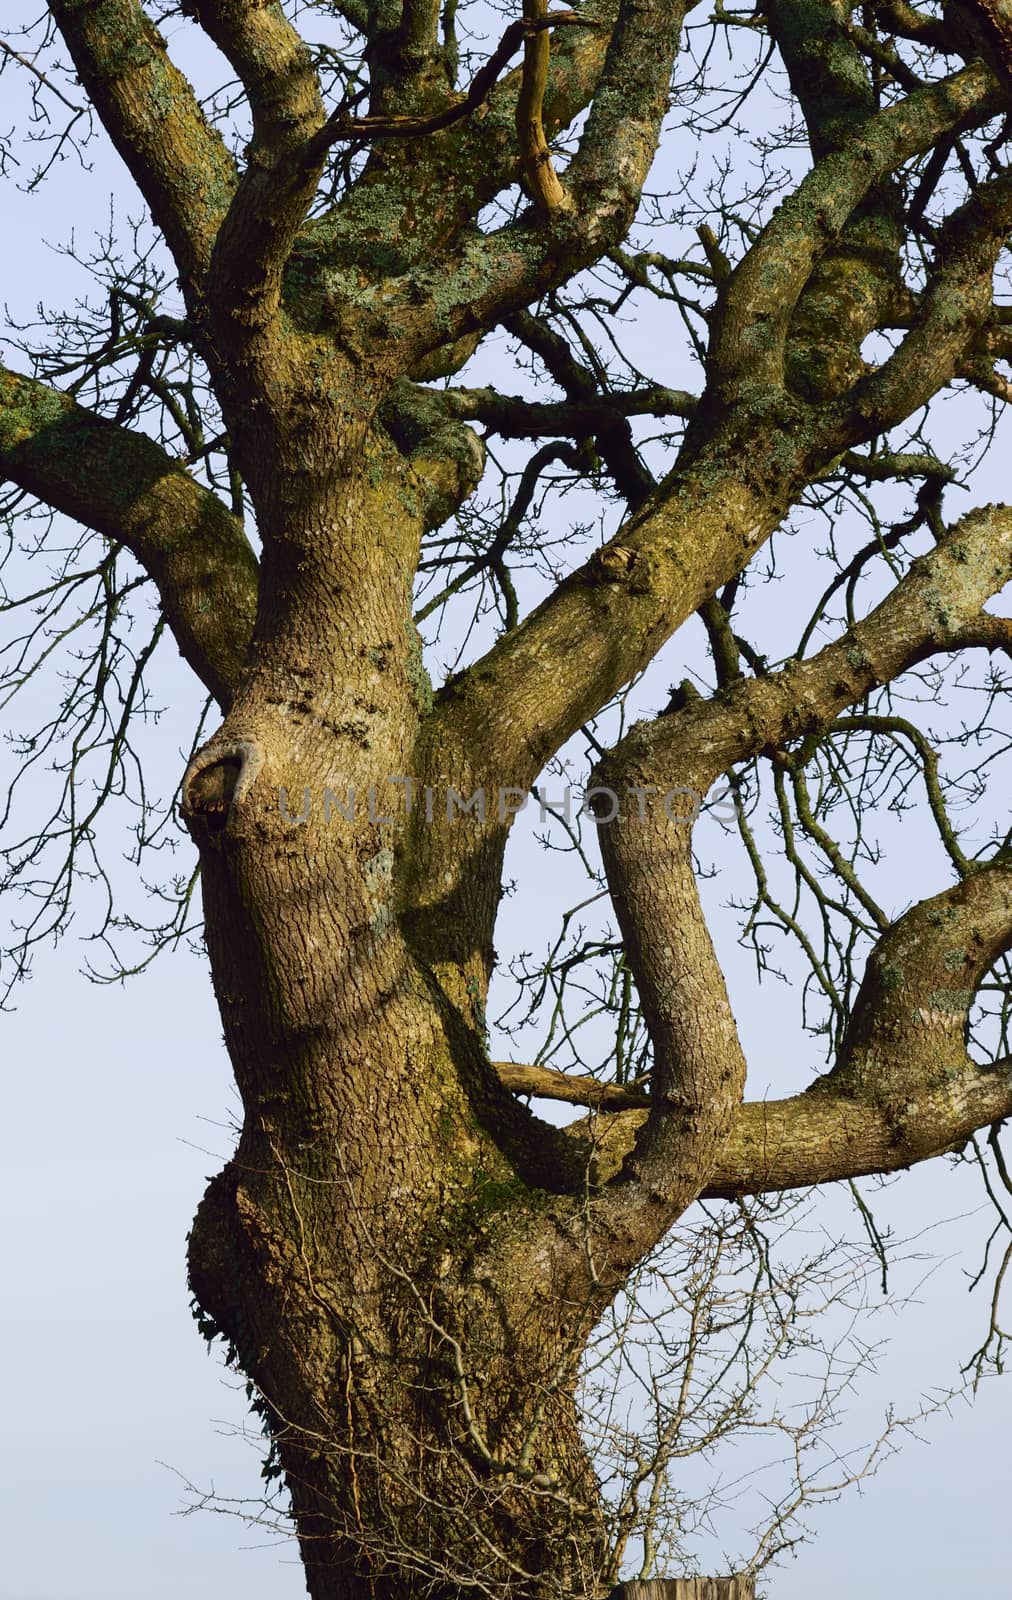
905, 1087
907, 22
548, 1083
417, 45
756, 309
955, 304
284, 163
827, 73
513, 417
607, 173
125, 486
493, 274
427, 190
738, 475
855, 284
823, 1136
935, 607
908, 1025
179, 163
988, 27
272, 63
698, 1070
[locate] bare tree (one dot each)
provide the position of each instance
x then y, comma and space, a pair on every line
405, 1261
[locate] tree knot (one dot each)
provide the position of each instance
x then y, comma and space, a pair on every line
218, 778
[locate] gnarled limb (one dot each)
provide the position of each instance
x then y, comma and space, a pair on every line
698, 1070
904, 1088
123, 484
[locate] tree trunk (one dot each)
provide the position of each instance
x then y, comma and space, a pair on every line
383, 1275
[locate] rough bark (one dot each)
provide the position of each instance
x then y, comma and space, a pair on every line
405, 1260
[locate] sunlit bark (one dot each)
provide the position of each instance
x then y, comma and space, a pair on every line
407, 1261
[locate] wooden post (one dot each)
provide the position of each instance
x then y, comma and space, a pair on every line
685, 1589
